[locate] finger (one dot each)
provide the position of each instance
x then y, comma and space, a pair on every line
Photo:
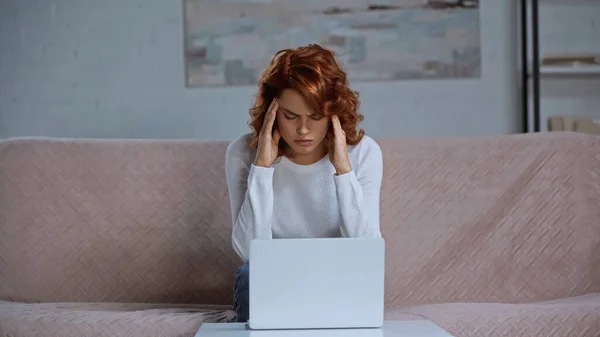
267, 114
337, 127
331, 144
329, 138
270, 117
276, 136
330, 134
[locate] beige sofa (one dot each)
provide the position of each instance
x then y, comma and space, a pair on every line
488, 236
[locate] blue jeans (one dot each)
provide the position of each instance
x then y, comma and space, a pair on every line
241, 300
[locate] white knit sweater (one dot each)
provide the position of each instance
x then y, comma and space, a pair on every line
289, 200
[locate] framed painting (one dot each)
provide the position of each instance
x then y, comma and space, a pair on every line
230, 42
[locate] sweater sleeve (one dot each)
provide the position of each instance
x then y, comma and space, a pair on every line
358, 194
251, 198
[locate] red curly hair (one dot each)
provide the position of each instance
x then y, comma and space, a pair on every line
313, 72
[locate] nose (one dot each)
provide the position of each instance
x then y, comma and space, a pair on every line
303, 129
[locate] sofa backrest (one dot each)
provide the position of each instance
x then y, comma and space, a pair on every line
491, 219
115, 220
498, 218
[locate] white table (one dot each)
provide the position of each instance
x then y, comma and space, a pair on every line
420, 328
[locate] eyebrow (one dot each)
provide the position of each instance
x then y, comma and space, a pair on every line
293, 113
288, 111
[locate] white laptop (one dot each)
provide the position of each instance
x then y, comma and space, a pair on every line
316, 283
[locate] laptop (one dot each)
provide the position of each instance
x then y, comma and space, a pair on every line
323, 283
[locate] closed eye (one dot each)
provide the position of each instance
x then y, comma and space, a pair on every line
289, 116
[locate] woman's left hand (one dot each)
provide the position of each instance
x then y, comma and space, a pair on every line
338, 150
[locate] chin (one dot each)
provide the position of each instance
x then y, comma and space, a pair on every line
303, 149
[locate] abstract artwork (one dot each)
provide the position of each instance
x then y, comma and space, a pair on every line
230, 42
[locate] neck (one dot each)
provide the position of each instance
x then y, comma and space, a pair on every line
307, 158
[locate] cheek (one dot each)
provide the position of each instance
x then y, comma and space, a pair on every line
284, 126
321, 127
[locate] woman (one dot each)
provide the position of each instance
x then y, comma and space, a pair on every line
305, 170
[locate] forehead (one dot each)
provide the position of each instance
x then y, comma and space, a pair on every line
292, 101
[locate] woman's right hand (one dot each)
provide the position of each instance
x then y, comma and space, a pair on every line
268, 140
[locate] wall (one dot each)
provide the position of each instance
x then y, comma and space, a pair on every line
83, 68
115, 69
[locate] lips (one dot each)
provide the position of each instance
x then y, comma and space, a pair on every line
303, 142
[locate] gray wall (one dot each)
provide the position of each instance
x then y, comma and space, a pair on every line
114, 68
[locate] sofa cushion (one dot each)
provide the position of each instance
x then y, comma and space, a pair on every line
106, 319
575, 316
